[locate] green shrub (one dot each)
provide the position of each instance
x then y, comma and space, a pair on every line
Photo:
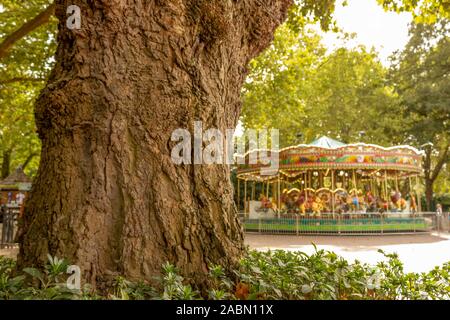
261, 275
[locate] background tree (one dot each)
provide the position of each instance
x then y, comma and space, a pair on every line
351, 98
421, 76
280, 83
19, 144
296, 87
26, 59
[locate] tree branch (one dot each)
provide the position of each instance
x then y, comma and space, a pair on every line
41, 19
262, 18
21, 79
28, 160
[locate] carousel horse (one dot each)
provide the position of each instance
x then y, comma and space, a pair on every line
317, 206
395, 196
361, 201
325, 198
274, 206
349, 202
401, 204
397, 201
302, 208
284, 196
371, 202
355, 202
383, 205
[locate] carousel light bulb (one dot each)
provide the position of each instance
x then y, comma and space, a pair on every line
341, 173
316, 173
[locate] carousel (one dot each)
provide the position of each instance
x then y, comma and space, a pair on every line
361, 187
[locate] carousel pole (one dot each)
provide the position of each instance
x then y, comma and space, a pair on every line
306, 186
354, 179
396, 183
411, 194
386, 186
310, 179
253, 191
332, 191
347, 181
320, 177
279, 196
263, 188
374, 186
419, 200
245, 197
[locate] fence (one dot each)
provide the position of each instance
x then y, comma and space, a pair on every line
350, 224
8, 219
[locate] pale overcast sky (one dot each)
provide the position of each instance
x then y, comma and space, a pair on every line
386, 31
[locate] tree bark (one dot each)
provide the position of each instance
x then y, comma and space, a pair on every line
107, 195
6, 163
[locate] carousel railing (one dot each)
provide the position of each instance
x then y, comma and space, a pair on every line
349, 224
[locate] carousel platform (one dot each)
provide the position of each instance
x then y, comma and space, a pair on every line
344, 225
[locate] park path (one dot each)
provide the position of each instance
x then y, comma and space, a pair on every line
10, 253
419, 253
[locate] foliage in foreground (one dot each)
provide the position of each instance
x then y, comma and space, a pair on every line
261, 275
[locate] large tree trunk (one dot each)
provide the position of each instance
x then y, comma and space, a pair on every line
107, 195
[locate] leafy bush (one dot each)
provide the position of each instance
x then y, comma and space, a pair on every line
261, 275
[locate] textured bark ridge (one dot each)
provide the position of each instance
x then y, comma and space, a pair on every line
107, 195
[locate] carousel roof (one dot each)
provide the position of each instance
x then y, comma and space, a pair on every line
326, 142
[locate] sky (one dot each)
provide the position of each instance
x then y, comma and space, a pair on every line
386, 31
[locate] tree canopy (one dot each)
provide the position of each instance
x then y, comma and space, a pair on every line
23, 71
297, 87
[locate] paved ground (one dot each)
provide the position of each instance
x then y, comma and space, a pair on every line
418, 252
10, 253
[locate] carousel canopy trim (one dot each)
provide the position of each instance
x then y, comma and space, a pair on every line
326, 153
326, 143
